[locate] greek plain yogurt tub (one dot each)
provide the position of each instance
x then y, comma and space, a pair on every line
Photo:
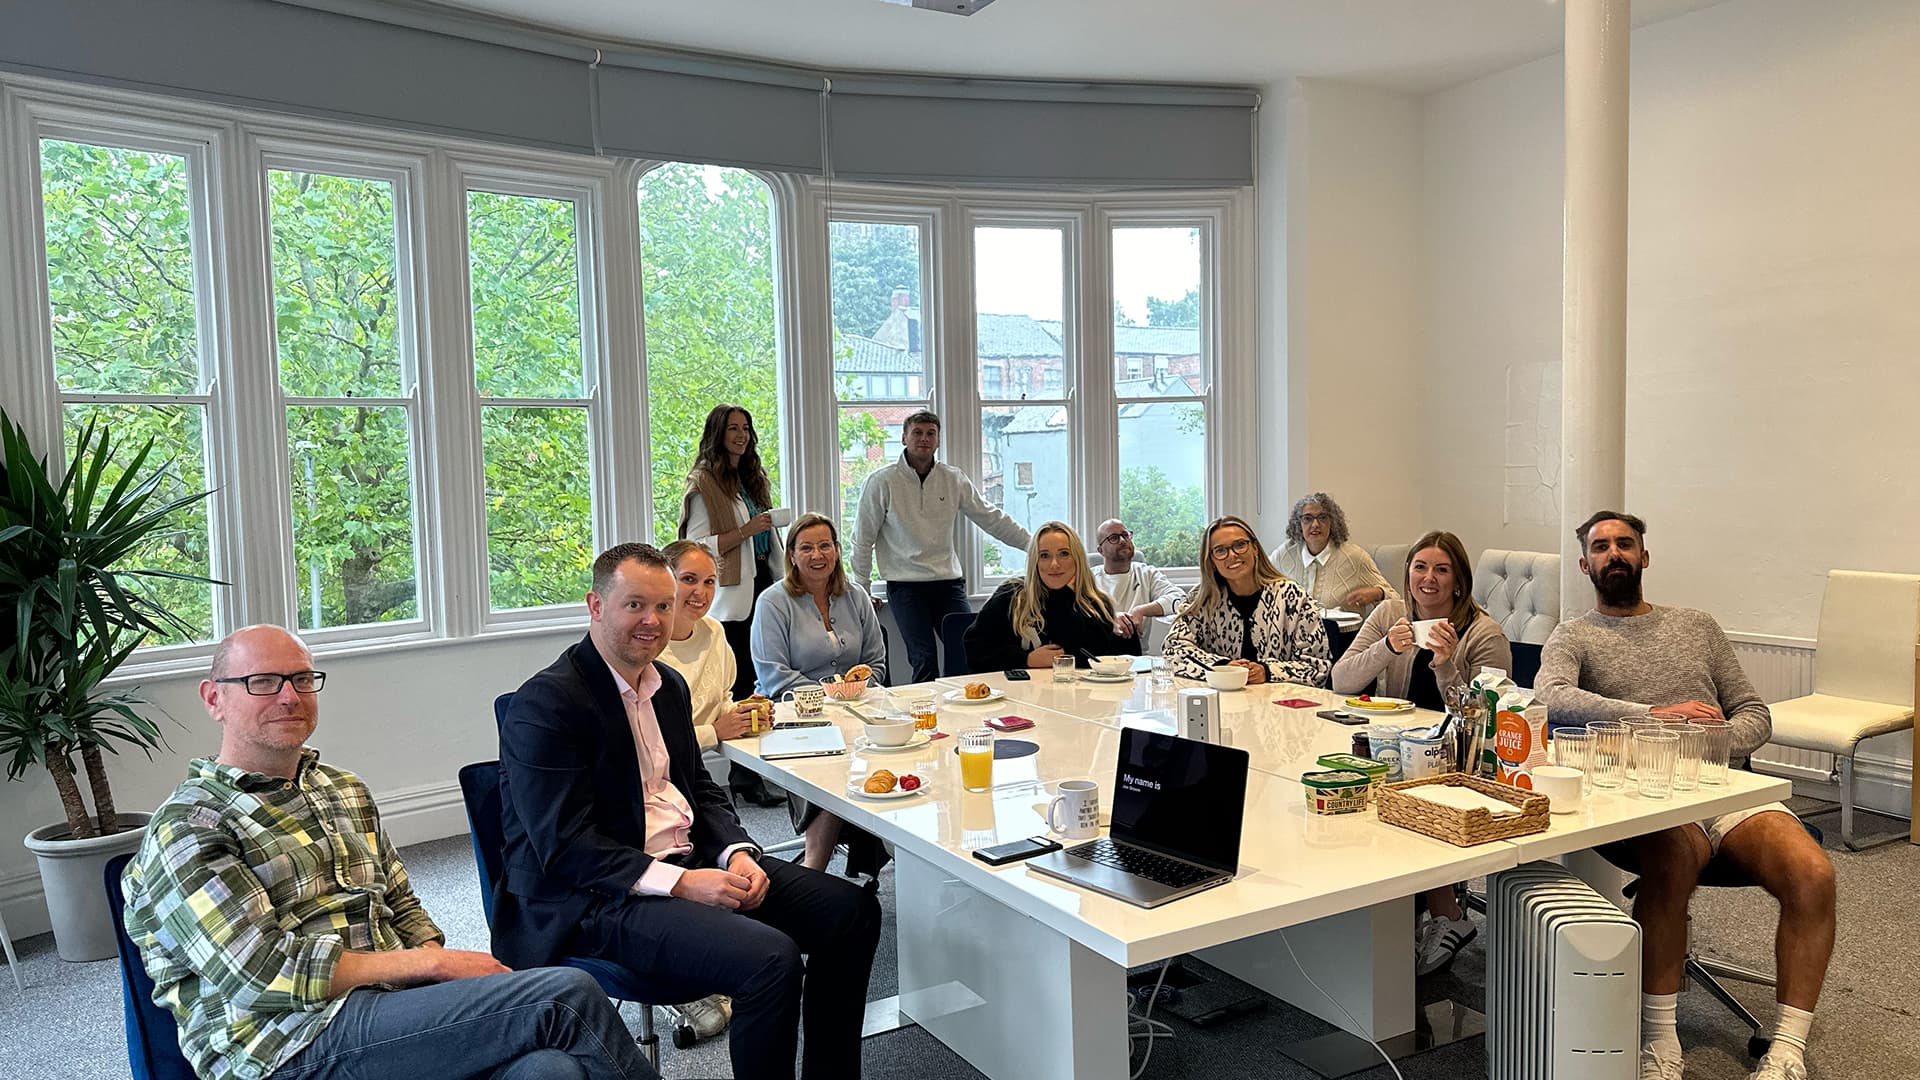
1336, 791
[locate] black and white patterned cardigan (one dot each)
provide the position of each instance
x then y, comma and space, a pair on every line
1287, 633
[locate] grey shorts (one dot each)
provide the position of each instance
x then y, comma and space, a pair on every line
1717, 828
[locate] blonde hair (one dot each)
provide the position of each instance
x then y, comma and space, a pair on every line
1213, 584
1029, 608
837, 583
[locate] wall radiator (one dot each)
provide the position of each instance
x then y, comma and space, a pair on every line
1563, 979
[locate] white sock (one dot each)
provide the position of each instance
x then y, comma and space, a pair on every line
1658, 1029
1790, 1032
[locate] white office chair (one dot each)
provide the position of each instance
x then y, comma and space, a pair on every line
1862, 686
1392, 561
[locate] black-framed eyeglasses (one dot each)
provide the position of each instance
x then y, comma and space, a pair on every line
268, 683
1315, 519
1237, 547
1123, 534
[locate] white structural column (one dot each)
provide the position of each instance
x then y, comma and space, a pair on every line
1593, 353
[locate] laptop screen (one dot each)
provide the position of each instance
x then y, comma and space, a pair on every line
1180, 797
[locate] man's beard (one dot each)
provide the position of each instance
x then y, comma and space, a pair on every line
1621, 590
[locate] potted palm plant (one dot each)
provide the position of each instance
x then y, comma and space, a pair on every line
70, 614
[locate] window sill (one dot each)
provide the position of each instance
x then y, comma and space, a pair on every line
195, 665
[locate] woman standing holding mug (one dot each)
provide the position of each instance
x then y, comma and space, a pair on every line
729, 508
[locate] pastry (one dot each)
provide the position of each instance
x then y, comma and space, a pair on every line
858, 672
978, 691
880, 782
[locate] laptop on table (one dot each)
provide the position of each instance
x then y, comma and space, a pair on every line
1177, 808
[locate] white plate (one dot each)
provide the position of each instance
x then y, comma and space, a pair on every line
859, 792
1093, 677
1358, 710
959, 697
864, 745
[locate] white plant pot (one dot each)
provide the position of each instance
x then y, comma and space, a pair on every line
71, 876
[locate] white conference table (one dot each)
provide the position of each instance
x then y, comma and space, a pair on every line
1024, 976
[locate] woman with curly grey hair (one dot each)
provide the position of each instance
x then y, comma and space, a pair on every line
1319, 554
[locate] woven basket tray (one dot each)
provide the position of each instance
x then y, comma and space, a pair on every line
1462, 828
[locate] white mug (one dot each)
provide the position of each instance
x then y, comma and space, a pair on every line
1561, 786
782, 516
1075, 812
809, 699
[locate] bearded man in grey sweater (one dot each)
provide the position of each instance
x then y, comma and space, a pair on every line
1629, 657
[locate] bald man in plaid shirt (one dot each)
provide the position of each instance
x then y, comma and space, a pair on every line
276, 920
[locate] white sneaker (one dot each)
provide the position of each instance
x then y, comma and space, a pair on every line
1656, 1065
708, 1016
1441, 939
1780, 1069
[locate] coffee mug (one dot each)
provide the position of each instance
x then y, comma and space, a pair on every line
782, 516
1561, 786
809, 699
1075, 812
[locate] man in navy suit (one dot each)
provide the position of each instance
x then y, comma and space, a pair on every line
619, 845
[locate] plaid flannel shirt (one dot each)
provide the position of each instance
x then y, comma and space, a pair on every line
246, 890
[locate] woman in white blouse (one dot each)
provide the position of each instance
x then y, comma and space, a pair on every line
698, 651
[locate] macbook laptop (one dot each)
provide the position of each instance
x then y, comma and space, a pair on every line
1177, 806
802, 742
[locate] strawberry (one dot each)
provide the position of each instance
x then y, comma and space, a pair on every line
1366, 697
909, 782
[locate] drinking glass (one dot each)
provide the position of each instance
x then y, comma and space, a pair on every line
1160, 673
1574, 750
926, 715
1608, 755
1063, 669
1637, 723
1713, 757
1686, 761
976, 759
1654, 749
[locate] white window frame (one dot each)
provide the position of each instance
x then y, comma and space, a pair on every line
407, 174
1210, 223
589, 196
31, 118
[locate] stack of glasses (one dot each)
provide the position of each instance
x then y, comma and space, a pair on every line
1657, 757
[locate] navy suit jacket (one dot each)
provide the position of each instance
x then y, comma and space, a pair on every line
571, 804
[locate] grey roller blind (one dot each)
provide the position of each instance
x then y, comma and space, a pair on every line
291, 58
712, 119
916, 137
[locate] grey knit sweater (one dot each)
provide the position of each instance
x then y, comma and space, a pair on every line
1603, 667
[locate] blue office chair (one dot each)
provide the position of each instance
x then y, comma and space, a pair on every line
953, 642
480, 789
1526, 663
153, 1040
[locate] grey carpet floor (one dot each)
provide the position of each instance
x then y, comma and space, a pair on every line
67, 1022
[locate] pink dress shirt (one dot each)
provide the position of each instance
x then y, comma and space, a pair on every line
669, 815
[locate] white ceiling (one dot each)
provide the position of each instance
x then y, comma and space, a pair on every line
1409, 45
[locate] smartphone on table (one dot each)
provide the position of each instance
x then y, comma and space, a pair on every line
1002, 854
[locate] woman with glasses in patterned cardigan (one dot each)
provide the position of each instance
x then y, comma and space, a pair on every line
1246, 613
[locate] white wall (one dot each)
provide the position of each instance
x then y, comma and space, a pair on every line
404, 719
1346, 342
1772, 323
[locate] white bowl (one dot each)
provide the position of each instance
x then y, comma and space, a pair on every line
890, 731
1111, 665
1227, 677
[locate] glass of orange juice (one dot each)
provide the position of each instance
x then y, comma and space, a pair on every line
976, 759
926, 717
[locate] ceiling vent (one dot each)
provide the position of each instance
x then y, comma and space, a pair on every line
951, 7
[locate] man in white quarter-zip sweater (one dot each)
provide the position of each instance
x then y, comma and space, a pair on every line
906, 519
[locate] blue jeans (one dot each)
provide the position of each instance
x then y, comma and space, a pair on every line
540, 1024
919, 607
